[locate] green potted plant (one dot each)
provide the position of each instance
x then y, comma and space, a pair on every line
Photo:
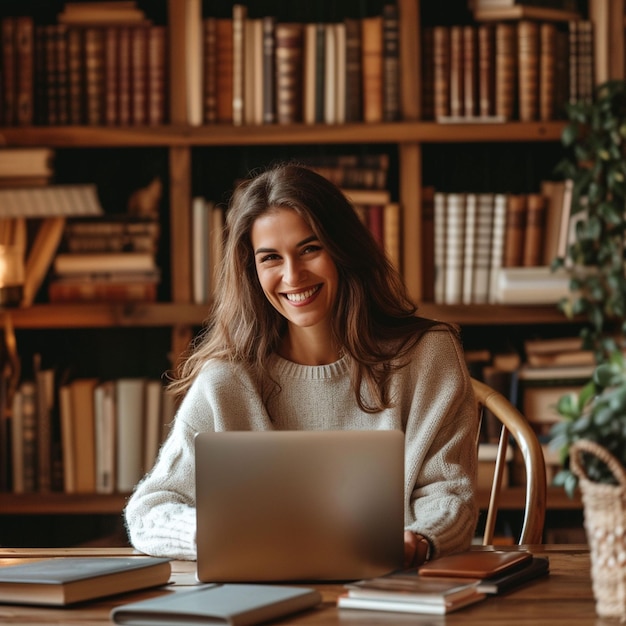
592, 433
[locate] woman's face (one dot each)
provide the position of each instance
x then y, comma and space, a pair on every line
296, 273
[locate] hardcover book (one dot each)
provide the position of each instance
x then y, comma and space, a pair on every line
233, 604
62, 581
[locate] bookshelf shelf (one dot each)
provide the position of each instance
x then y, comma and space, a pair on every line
106, 315
61, 503
512, 499
269, 135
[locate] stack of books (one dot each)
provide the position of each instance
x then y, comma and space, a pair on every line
112, 258
445, 584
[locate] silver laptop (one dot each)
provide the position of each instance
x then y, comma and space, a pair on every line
299, 505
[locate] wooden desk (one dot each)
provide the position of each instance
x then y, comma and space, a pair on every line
564, 597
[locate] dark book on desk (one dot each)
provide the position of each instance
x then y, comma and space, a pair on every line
232, 604
536, 568
61, 581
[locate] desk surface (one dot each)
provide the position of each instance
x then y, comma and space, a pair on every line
563, 597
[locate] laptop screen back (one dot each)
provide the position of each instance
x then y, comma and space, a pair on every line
299, 505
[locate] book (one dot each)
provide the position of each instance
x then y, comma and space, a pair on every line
82, 422
231, 604
505, 70
407, 592
498, 229
514, 230
539, 566
483, 247
104, 436
288, 59
486, 70
528, 70
475, 564
71, 263
391, 62
67, 580
239, 17
353, 83
129, 432
535, 230
453, 245
531, 285
372, 67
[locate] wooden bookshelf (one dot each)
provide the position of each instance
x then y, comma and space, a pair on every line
180, 140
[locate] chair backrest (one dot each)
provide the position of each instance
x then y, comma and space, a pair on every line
515, 425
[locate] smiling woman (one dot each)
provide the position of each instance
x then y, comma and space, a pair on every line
312, 329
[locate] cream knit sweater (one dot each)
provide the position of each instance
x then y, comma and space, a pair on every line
433, 405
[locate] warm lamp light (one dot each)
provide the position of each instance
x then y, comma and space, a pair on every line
11, 275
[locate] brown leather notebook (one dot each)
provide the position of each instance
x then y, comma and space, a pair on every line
475, 564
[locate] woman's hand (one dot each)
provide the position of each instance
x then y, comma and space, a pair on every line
416, 549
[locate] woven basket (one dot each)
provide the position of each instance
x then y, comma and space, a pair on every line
605, 525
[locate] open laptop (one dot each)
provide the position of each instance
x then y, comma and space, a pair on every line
299, 505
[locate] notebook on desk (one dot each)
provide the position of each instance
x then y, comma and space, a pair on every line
299, 505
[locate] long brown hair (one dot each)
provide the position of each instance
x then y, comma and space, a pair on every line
375, 322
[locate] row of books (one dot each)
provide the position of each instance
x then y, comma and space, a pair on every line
61, 74
484, 245
264, 71
522, 70
83, 436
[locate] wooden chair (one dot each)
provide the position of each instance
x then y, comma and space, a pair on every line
515, 425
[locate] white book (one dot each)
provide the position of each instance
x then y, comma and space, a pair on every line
400, 606
469, 248
482, 256
454, 237
330, 73
498, 232
439, 226
130, 394
531, 285
153, 425
105, 423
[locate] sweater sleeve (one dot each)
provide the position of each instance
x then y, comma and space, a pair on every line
441, 450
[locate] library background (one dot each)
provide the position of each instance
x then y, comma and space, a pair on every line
124, 126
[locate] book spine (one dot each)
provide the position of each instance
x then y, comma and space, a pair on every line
439, 229
469, 248
535, 230
497, 242
320, 66
24, 70
9, 75
454, 240
528, 66
224, 52
470, 72
441, 69
428, 245
209, 68
514, 231
138, 75
269, 70
482, 263
52, 101
457, 102
289, 40
428, 74
372, 67
391, 63
240, 13
547, 70
353, 70
111, 75
75, 75
62, 73
486, 69
330, 74
505, 70
156, 75
94, 71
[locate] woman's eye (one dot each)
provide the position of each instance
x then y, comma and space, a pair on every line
269, 257
311, 248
